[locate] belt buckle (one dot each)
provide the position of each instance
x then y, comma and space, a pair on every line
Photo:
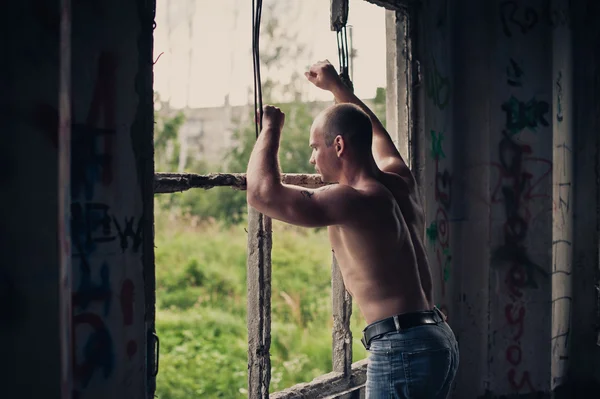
440, 313
364, 341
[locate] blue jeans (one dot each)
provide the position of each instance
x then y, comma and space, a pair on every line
418, 362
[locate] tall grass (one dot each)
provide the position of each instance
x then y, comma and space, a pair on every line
201, 308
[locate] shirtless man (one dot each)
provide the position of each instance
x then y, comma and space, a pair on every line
376, 228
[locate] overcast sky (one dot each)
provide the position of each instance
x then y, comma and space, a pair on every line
220, 44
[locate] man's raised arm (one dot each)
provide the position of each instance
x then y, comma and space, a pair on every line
324, 76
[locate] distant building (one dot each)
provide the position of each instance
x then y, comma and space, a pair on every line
207, 133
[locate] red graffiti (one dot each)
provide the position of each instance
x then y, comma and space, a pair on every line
127, 302
91, 162
104, 100
441, 226
514, 355
92, 141
516, 278
525, 380
98, 351
443, 185
518, 321
515, 189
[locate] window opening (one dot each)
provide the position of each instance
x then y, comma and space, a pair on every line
201, 234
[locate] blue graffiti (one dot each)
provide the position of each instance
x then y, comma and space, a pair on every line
88, 291
87, 162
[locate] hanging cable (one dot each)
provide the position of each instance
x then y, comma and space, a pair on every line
339, 19
256, 16
344, 56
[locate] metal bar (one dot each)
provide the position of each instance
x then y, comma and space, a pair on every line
330, 385
341, 334
176, 182
259, 304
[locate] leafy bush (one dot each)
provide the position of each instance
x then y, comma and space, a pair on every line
201, 308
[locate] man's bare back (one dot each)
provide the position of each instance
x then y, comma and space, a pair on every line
376, 253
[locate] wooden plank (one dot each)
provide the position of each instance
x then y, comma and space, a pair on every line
259, 304
341, 333
330, 385
176, 182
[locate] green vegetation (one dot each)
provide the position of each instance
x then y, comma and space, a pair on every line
201, 258
201, 308
201, 277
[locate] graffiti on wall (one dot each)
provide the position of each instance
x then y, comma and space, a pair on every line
521, 114
522, 178
99, 233
437, 86
561, 249
559, 94
516, 17
438, 231
514, 74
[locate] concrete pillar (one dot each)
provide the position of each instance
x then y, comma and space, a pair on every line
111, 194
436, 132
503, 83
584, 359
34, 172
470, 226
399, 118
562, 194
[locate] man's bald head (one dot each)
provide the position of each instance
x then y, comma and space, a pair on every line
351, 123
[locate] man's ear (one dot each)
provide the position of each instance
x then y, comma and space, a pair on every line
339, 145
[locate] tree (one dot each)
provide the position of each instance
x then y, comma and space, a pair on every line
379, 104
279, 48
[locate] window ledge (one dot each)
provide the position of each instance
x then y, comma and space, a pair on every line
331, 385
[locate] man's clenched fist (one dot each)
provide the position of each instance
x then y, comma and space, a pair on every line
272, 117
324, 76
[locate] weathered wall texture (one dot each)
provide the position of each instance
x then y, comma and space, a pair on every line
111, 169
436, 141
106, 205
497, 144
584, 362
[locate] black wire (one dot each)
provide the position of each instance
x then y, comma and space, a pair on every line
347, 51
339, 49
259, 83
254, 65
342, 42
256, 17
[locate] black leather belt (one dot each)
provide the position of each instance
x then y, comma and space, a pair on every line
400, 322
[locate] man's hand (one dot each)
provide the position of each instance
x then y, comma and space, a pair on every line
273, 118
324, 76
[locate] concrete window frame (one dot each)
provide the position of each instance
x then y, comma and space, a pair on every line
347, 380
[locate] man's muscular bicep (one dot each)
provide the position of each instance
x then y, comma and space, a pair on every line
305, 207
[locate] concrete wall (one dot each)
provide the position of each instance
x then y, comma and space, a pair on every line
78, 330
111, 194
508, 178
584, 365
34, 285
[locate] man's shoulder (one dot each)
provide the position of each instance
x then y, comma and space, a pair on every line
372, 195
